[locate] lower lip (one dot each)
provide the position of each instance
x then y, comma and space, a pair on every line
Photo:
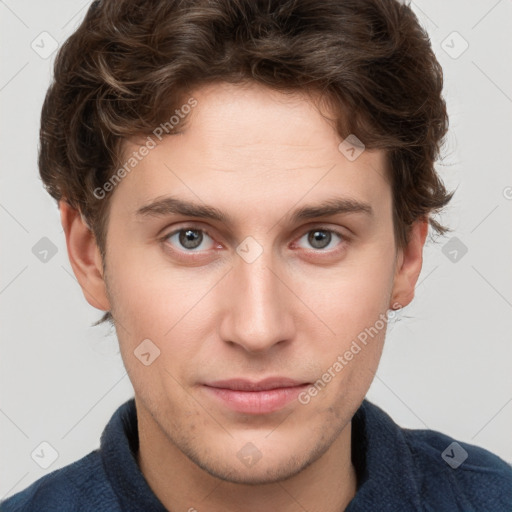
256, 402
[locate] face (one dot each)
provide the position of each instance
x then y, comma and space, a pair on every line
268, 288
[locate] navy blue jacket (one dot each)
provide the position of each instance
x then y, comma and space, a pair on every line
398, 470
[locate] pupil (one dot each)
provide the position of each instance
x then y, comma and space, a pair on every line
319, 239
190, 238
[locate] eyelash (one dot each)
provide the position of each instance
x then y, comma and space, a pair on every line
191, 253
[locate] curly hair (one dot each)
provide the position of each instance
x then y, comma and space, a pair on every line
130, 63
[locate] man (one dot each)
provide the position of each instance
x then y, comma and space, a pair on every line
245, 189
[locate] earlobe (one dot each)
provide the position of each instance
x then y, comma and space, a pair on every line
84, 256
409, 265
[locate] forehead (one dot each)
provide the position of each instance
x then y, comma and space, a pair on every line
248, 143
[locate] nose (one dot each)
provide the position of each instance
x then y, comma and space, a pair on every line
257, 313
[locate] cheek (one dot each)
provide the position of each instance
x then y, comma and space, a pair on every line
158, 302
355, 308
352, 297
135, 304
149, 303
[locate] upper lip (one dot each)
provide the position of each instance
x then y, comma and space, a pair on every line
261, 385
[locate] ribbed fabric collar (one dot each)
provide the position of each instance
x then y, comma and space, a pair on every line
119, 445
384, 464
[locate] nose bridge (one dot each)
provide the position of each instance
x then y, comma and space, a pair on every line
257, 316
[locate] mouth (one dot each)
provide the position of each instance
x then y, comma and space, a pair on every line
255, 397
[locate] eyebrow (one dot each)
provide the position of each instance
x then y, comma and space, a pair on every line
171, 205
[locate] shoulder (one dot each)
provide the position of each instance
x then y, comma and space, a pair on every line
422, 469
79, 486
471, 476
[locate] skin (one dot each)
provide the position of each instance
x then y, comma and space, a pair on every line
257, 155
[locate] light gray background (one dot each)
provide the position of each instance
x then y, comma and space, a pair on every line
447, 362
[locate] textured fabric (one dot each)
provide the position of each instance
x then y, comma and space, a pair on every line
398, 470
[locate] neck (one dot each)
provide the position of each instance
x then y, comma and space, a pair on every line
327, 485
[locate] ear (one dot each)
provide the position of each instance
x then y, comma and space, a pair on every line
84, 256
408, 265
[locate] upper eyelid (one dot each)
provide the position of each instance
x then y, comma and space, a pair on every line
184, 228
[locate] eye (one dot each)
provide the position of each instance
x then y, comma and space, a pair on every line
189, 239
321, 239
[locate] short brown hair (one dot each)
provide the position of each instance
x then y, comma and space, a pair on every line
131, 62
